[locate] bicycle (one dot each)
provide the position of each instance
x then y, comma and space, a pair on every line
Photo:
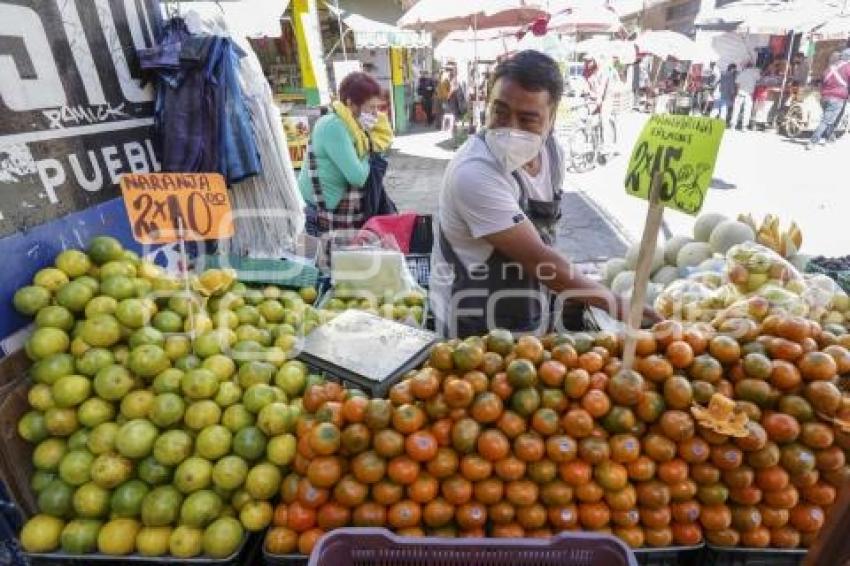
583, 140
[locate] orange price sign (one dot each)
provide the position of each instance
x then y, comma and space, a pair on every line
167, 207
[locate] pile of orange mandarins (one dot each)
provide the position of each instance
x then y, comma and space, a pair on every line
525, 438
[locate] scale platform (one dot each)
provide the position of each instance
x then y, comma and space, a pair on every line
368, 351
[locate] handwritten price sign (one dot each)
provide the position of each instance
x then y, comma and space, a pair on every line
683, 151
166, 207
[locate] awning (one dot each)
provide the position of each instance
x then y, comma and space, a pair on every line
371, 34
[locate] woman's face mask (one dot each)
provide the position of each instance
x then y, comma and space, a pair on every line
513, 148
367, 120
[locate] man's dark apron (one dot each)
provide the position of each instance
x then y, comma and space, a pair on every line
526, 304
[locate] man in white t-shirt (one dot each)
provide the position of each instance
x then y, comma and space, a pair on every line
743, 107
493, 265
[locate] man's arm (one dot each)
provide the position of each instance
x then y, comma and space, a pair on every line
522, 244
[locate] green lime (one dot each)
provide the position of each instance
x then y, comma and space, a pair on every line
103, 249
147, 335
119, 287
230, 472
200, 508
101, 305
167, 321
228, 394
199, 384
222, 366
71, 390
48, 453
75, 467
101, 330
168, 381
50, 278
61, 421
33, 427
113, 382
201, 414
95, 411
56, 499
236, 417
55, 316
80, 536
136, 438
172, 447
193, 474
249, 443
31, 299
177, 347
153, 473
148, 360
45, 342
94, 360
102, 438
74, 296
132, 313
213, 442
52, 368
73, 263
127, 499
137, 404
91, 501
167, 410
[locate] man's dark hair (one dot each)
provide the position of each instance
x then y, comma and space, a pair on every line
533, 71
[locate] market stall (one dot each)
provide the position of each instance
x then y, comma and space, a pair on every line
246, 405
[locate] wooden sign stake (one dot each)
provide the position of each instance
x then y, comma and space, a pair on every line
648, 243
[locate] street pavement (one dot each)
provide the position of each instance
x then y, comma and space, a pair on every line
757, 172
417, 162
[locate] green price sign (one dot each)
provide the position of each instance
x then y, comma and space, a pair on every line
683, 151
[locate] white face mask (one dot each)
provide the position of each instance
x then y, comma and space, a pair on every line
367, 121
513, 148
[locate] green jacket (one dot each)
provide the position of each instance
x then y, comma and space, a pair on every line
337, 162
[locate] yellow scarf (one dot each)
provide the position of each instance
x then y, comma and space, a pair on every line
381, 135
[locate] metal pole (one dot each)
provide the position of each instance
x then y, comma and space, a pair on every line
341, 33
785, 76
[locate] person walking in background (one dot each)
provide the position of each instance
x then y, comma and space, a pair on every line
800, 70
338, 161
724, 93
444, 89
426, 89
833, 94
746, 85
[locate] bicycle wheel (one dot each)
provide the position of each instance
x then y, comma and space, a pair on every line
581, 151
791, 122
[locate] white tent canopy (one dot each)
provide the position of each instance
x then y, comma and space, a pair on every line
452, 15
371, 34
836, 28
772, 16
671, 44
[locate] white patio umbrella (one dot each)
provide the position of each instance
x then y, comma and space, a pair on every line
671, 44
625, 51
451, 15
585, 19
488, 45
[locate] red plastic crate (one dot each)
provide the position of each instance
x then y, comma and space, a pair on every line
379, 547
